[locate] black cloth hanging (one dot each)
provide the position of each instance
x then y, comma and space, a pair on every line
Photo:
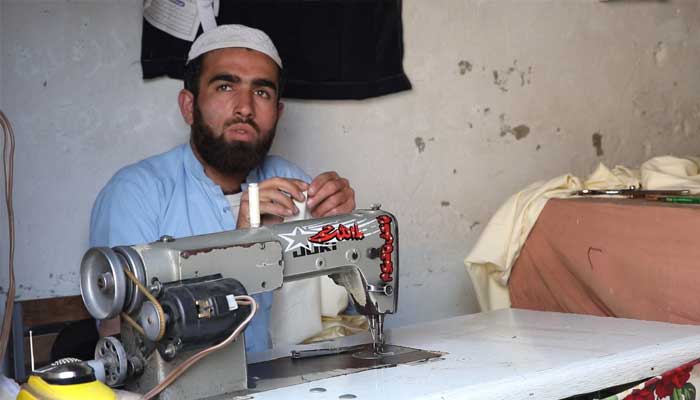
331, 49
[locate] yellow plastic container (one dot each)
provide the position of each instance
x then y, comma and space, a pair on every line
37, 389
65, 382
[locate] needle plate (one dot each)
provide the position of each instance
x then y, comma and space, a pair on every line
288, 371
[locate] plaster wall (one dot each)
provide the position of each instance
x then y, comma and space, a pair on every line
1, 7
505, 93
3, 210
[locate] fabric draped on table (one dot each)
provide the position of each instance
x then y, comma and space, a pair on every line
490, 261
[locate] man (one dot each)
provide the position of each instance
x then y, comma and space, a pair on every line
231, 101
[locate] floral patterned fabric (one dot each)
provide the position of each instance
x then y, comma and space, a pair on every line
677, 384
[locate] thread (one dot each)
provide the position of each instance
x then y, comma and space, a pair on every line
31, 348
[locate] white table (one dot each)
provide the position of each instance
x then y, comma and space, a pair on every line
515, 354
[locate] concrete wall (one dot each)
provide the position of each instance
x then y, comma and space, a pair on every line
506, 92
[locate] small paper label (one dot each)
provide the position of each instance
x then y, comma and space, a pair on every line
232, 304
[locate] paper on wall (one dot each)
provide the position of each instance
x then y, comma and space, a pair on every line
181, 18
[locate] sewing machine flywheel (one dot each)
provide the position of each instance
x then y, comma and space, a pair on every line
103, 282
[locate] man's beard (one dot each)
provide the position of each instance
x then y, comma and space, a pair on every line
229, 158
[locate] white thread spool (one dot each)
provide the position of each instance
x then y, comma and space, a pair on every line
254, 205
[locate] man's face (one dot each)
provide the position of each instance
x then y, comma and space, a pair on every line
236, 111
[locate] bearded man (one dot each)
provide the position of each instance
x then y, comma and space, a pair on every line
231, 101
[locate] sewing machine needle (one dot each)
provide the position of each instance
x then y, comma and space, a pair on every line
376, 326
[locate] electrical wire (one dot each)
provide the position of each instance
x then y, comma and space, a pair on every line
241, 300
8, 155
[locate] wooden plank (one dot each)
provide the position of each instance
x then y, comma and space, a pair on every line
51, 311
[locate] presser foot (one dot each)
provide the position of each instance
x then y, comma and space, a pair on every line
372, 353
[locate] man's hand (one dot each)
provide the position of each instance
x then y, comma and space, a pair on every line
275, 203
329, 194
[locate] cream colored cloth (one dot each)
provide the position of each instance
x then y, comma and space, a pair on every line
671, 173
489, 262
341, 325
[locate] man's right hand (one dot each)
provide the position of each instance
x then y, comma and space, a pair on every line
275, 203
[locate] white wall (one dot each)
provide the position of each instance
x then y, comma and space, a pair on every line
442, 157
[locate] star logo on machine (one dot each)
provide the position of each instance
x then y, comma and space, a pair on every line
299, 237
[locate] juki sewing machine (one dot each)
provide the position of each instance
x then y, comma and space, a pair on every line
177, 296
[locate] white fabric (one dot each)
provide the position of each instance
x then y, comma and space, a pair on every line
298, 308
334, 298
234, 35
301, 206
234, 201
296, 312
490, 261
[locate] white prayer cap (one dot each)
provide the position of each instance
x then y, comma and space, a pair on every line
226, 36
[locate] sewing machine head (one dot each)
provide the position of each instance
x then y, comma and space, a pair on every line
185, 302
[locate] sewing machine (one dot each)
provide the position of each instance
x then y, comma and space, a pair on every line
186, 300
504, 354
